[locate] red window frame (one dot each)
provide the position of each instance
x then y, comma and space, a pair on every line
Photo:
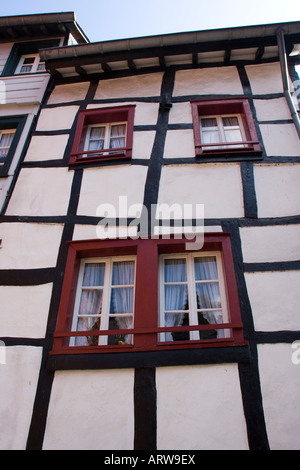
145, 328
95, 116
225, 106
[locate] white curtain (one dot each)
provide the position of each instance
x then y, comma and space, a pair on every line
232, 130
208, 293
96, 138
176, 295
5, 143
210, 132
117, 136
90, 302
122, 296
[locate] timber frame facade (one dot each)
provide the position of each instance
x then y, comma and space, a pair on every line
160, 87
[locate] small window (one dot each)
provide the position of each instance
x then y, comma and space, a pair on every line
11, 129
103, 134
30, 64
104, 300
192, 292
224, 126
6, 138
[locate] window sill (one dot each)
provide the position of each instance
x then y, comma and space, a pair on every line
127, 358
78, 160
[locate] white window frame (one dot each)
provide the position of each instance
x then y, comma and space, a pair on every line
2, 147
34, 67
107, 137
106, 296
192, 297
222, 133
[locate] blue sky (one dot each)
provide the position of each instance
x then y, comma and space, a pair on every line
118, 19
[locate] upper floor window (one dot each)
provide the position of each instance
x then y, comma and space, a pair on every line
11, 129
224, 126
103, 134
104, 300
192, 292
139, 295
29, 64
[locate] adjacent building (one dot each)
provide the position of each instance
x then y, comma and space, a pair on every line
150, 256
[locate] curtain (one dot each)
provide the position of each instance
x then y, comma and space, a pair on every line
5, 143
117, 136
232, 130
90, 302
122, 297
176, 295
96, 138
210, 132
208, 292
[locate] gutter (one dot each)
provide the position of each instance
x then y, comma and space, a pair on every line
65, 18
165, 40
285, 81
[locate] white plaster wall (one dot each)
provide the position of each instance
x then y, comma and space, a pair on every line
280, 139
91, 232
216, 186
29, 246
179, 143
200, 408
275, 300
51, 119
277, 190
211, 80
270, 243
46, 147
142, 144
20, 317
144, 113
18, 378
103, 186
47, 192
134, 86
280, 384
181, 113
274, 109
265, 78
69, 92
91, 410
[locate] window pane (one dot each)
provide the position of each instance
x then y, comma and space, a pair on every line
208, 295
91, 302
97, 132
123, 273
175, 270
118, 130
93, 274
176, 297
206, 319
206, 269
230, 121
209, 123
41, 67
87, 324
5, 143
178, 319
121, 300
120, 323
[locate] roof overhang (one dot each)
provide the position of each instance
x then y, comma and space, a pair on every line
38, 25
224, 46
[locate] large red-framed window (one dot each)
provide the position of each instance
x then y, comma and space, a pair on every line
224, 126
103, 134
153, 281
